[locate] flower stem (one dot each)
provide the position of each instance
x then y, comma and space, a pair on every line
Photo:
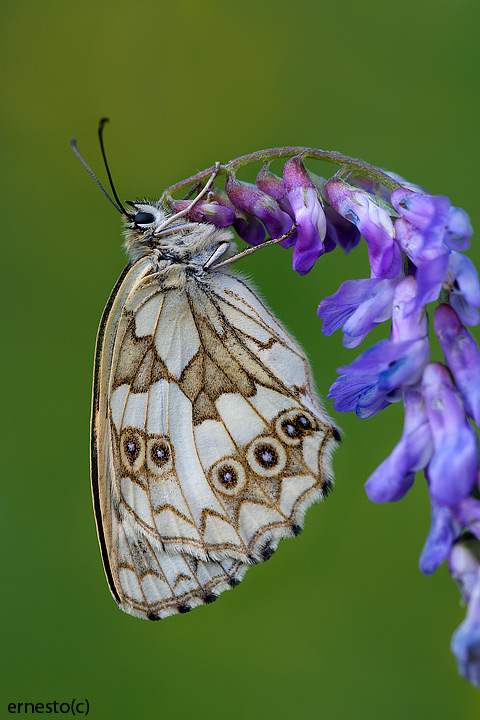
349, 164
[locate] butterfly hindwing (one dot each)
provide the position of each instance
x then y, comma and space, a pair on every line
208, 437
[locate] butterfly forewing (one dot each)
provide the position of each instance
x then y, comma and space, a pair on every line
208, 439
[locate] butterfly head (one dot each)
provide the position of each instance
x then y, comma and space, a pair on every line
152, 230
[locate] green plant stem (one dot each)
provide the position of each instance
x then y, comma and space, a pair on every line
348, 164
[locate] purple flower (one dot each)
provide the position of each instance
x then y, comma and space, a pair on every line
340, 232
358, 305
427, 231
453, 468
376, 377
250, 199
465, 645
462, 356
420, 233
444, 529
428, 213
435, 217
391, 480
459, 230
467, 514
431, 261
207, 212
372, 221
272, 185
464, 565
246, 225
465, 291
309, 216
249, 228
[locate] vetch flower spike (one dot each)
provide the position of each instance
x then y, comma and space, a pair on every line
415, 242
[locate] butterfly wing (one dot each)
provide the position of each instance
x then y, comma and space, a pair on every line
144, 580
208, 440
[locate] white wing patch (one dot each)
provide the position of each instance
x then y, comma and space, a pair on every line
213, 442
175, 322
231, 407
157, 420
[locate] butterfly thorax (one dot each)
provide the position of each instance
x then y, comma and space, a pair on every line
183, 243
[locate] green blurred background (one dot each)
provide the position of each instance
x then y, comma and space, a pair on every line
340, 623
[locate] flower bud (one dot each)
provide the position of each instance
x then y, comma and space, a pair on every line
250, 199
309, 216
247, 226
207, 212
272, 185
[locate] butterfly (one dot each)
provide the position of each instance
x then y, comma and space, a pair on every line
208, 440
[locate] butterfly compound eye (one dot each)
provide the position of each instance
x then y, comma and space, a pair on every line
143, 218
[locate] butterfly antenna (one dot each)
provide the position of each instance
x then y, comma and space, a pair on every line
101, 125
75, 149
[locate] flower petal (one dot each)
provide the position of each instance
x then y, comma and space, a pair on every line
465, 643
459, 230
464, 564
442, 534
208, 212
250, 199
309, 216
453, 468
391, 480
340, 231
428, 213
465, 294
462, 356
272, 185
373, 222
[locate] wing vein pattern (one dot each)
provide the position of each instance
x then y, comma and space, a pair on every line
209, 443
